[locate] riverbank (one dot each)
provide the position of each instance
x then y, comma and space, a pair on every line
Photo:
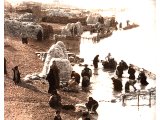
29, 100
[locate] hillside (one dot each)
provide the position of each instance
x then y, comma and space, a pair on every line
29, 100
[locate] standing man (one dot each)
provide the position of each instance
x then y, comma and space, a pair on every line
95, 61
5, 68
16, 75
86, 72
53, 77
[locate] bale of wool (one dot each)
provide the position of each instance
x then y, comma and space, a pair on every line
67, 29
47, 31
28, 17
63, 65
63, 47
12, 27
92, 19
56, 51
32, 29
66, 32
16, 28
107, 22
79, 28
65, 68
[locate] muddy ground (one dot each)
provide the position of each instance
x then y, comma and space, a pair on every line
29, 100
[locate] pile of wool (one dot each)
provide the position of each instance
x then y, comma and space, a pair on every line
27, 17
58, 53
16, 28
47, 31
67, 29
92, 18
60, 12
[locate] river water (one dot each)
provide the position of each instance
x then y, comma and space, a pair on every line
137, 46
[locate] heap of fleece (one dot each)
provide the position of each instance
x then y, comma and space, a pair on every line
57, 52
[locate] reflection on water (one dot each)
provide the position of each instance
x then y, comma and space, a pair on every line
136, 46
133, 46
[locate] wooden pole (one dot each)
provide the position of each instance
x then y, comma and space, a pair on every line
138, 101
150, 98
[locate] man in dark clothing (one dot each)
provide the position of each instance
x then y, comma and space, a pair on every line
85, 116
143, 78
117, 84
16, 75
92, 104
53, 78
123, 64
5, 69
24, 38
55, 100
95, 61
119, 71
75, 31
58, 117
131, 72
72, 31
120, 25
39, 35
76, 76
85, 82
127, 85
86, 72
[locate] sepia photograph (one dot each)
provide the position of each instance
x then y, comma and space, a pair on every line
80, 60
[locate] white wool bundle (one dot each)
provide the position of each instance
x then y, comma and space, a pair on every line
56, 51
65, 68
17, 28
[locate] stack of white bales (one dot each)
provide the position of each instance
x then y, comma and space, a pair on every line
57, 52
28, 17
92, 18
60, 13
107, 22
16, 28
12, 27
67, 29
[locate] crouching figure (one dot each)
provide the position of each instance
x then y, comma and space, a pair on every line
55, 100
92, 105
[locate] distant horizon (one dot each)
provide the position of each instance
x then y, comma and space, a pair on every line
84, 4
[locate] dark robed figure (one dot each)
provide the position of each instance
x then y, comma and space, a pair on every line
53, 78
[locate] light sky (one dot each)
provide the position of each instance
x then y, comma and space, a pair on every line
90, 3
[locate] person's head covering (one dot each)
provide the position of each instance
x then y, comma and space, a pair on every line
54, 92
90, 98
85, 65
54, 61
16, 67
113, 78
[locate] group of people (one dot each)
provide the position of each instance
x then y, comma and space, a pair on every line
24, 37
91, 107
54, 81
108, 63
142, 78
